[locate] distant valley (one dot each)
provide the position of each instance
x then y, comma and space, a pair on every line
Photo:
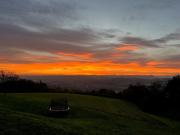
88, 83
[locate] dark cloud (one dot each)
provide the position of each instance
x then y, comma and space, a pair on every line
42, 25
169, 37
81, 35
23, 57
176, 45
34, 13
77, 40
14, 40
173, 58
139, 41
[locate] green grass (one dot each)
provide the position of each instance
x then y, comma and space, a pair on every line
26, 114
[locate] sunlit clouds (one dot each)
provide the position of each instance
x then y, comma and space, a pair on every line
58, 37
127, 47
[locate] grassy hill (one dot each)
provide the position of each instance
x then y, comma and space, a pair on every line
89, 115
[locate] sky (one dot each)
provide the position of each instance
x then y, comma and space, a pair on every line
90, 37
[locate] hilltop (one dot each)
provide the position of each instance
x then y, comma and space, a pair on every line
89, 115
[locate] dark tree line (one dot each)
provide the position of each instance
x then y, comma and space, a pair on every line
156, 98
10, 82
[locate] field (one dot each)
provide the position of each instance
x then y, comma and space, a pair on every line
90, 115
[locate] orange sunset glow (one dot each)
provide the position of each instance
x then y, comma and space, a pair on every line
86, 68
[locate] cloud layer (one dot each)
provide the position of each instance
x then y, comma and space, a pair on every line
50, 35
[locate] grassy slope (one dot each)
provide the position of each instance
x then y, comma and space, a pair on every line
26, 114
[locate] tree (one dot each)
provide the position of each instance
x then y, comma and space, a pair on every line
172, 90
10, 82
136, 93
8, 76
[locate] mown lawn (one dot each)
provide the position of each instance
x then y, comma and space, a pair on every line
90, 115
